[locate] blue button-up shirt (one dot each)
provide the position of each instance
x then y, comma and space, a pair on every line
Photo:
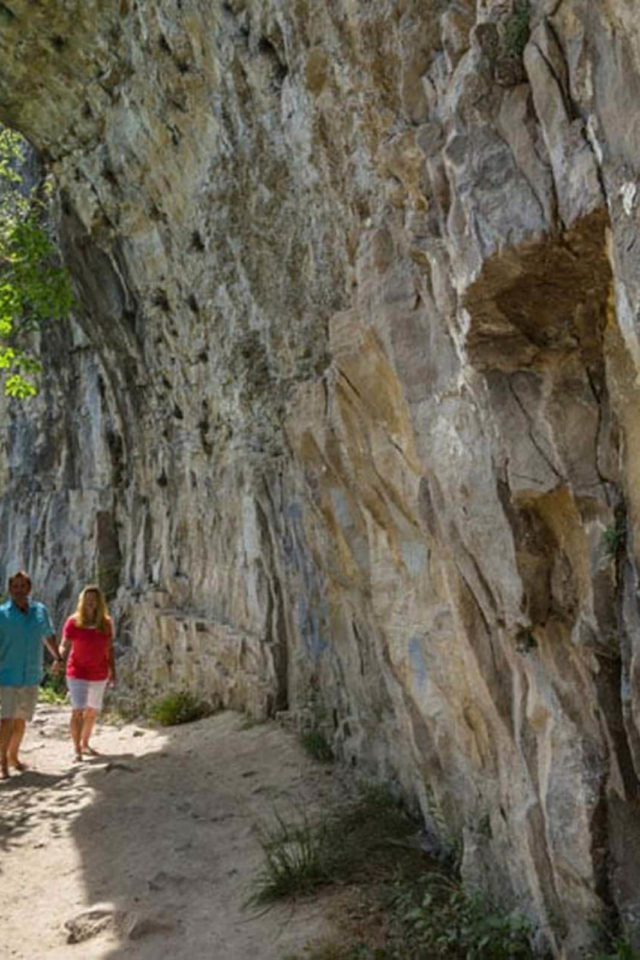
21, 638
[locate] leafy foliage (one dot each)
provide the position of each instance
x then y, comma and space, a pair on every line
435, 919
449, 922
33, 287
621, 949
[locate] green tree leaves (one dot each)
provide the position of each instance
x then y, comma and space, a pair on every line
33, 287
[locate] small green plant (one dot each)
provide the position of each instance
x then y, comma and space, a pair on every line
613, 539
316, 745
517, 29
620, 949
449, 922
53, 689
295, 859
180, 707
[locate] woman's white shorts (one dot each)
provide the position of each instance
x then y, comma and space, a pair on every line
86, 693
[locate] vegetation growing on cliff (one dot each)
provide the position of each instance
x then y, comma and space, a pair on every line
181, 706
34, 288
414, 907
517, 28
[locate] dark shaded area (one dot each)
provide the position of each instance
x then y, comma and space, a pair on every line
21, 809
543, 300
108, 556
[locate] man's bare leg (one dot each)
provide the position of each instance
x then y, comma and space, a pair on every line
75, 726
6, 730
19, 727
88, 722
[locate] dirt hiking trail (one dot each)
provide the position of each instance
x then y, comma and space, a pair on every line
149, 851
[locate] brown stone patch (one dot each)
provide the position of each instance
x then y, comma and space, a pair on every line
542, 300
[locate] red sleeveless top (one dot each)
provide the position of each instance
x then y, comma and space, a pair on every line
89, 657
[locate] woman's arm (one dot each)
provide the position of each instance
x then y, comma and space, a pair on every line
65, 643
65, 646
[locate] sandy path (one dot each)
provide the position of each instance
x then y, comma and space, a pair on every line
157, 837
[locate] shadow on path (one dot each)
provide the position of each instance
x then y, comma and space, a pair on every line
24, 801
169, 847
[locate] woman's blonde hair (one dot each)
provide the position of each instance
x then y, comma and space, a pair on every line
103, 620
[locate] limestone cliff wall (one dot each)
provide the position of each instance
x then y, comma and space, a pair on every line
347, 420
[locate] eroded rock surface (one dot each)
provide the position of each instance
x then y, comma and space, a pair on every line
347, 421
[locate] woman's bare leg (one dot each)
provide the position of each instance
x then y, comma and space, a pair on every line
88, 722
75, 726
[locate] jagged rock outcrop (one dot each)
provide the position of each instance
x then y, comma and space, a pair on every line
347, 419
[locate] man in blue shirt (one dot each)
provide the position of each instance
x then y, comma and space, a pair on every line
25, 625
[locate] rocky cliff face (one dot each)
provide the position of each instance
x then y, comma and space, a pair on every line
347, 421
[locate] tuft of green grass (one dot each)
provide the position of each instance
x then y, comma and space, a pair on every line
346, 844
179, 707
316, 745
296, 859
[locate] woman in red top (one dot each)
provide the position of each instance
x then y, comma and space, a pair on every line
89, 634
